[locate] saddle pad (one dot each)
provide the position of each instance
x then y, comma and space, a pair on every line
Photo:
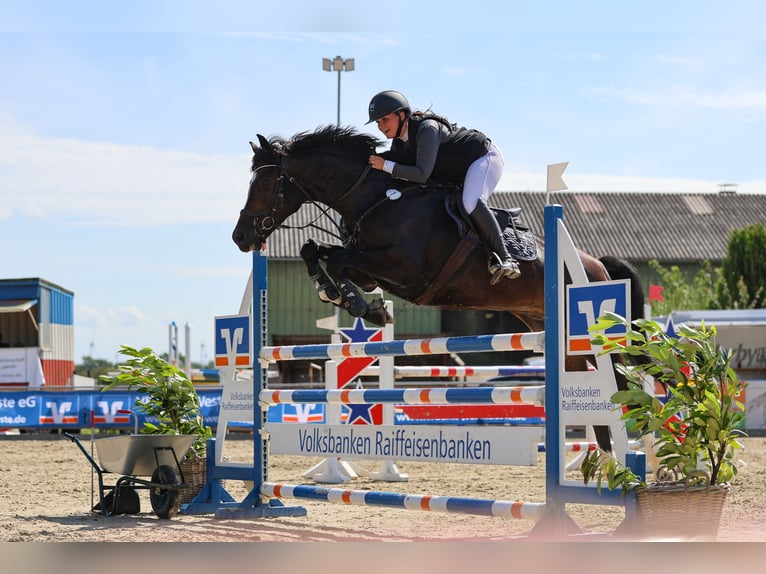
519, 241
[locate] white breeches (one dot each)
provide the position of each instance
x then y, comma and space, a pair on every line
482, 177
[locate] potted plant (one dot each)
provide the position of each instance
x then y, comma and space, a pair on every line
172, 401
696, 429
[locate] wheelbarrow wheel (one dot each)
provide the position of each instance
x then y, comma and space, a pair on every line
163, 500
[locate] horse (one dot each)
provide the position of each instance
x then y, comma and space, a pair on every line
396, 235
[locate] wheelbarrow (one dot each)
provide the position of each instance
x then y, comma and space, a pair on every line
133, 456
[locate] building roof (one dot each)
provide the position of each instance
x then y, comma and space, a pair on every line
668, 227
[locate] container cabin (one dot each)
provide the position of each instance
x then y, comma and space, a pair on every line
36, 334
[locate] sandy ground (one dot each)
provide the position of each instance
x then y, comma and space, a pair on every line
46, 493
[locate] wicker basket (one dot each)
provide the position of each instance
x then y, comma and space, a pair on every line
682, 510
195, 475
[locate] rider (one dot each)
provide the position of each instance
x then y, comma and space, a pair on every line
427, 146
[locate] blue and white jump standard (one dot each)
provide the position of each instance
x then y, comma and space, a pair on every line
551, 518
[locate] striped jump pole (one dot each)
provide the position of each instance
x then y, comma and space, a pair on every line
475, 395
585, 446
480, 421
439, 345
425, 371
457, 505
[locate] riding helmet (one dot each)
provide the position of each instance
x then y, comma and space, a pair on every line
384, 103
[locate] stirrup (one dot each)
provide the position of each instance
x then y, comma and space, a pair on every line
500, 269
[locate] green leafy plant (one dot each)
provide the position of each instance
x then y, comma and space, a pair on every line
603, 467
172, 399
697, 427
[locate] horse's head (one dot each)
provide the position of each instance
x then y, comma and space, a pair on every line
268, 204
327, 167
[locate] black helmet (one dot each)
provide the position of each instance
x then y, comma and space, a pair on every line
384, 103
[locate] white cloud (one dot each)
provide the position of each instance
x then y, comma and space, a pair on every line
459, 72
104, 330
129, 316
685, 96
105, 183
88, 316
680, 61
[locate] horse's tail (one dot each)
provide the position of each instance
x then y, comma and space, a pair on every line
621, 269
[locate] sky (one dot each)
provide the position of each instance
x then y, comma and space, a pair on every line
124, 125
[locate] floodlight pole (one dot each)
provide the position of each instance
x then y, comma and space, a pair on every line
339, 65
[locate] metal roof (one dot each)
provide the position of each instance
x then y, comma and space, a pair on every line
668, 227
16, 305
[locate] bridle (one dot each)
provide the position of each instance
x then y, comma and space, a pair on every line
264, 221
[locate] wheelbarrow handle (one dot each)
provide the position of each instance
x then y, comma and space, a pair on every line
134, 415
75, 440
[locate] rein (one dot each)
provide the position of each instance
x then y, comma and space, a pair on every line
263, 221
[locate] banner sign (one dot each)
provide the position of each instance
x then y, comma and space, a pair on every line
21, 366
586, 303
232, 341
457, 444
42, 409
75, 409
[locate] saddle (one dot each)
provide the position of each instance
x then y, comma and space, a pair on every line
518, 238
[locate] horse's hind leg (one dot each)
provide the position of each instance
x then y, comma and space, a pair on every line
328, 292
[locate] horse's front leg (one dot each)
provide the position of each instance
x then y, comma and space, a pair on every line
328, 292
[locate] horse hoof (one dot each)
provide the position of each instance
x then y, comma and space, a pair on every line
377, 314
376, 317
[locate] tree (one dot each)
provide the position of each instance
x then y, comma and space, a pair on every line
743, 271
91, 367
740, 282
682, 293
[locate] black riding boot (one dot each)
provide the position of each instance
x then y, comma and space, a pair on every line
485, 224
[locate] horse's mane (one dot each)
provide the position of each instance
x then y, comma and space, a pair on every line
346, 138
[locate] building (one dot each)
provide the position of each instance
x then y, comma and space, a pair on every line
36, 333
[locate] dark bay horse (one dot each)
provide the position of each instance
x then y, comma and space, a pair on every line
399, 235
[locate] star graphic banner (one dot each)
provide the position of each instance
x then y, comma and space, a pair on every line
350, 368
